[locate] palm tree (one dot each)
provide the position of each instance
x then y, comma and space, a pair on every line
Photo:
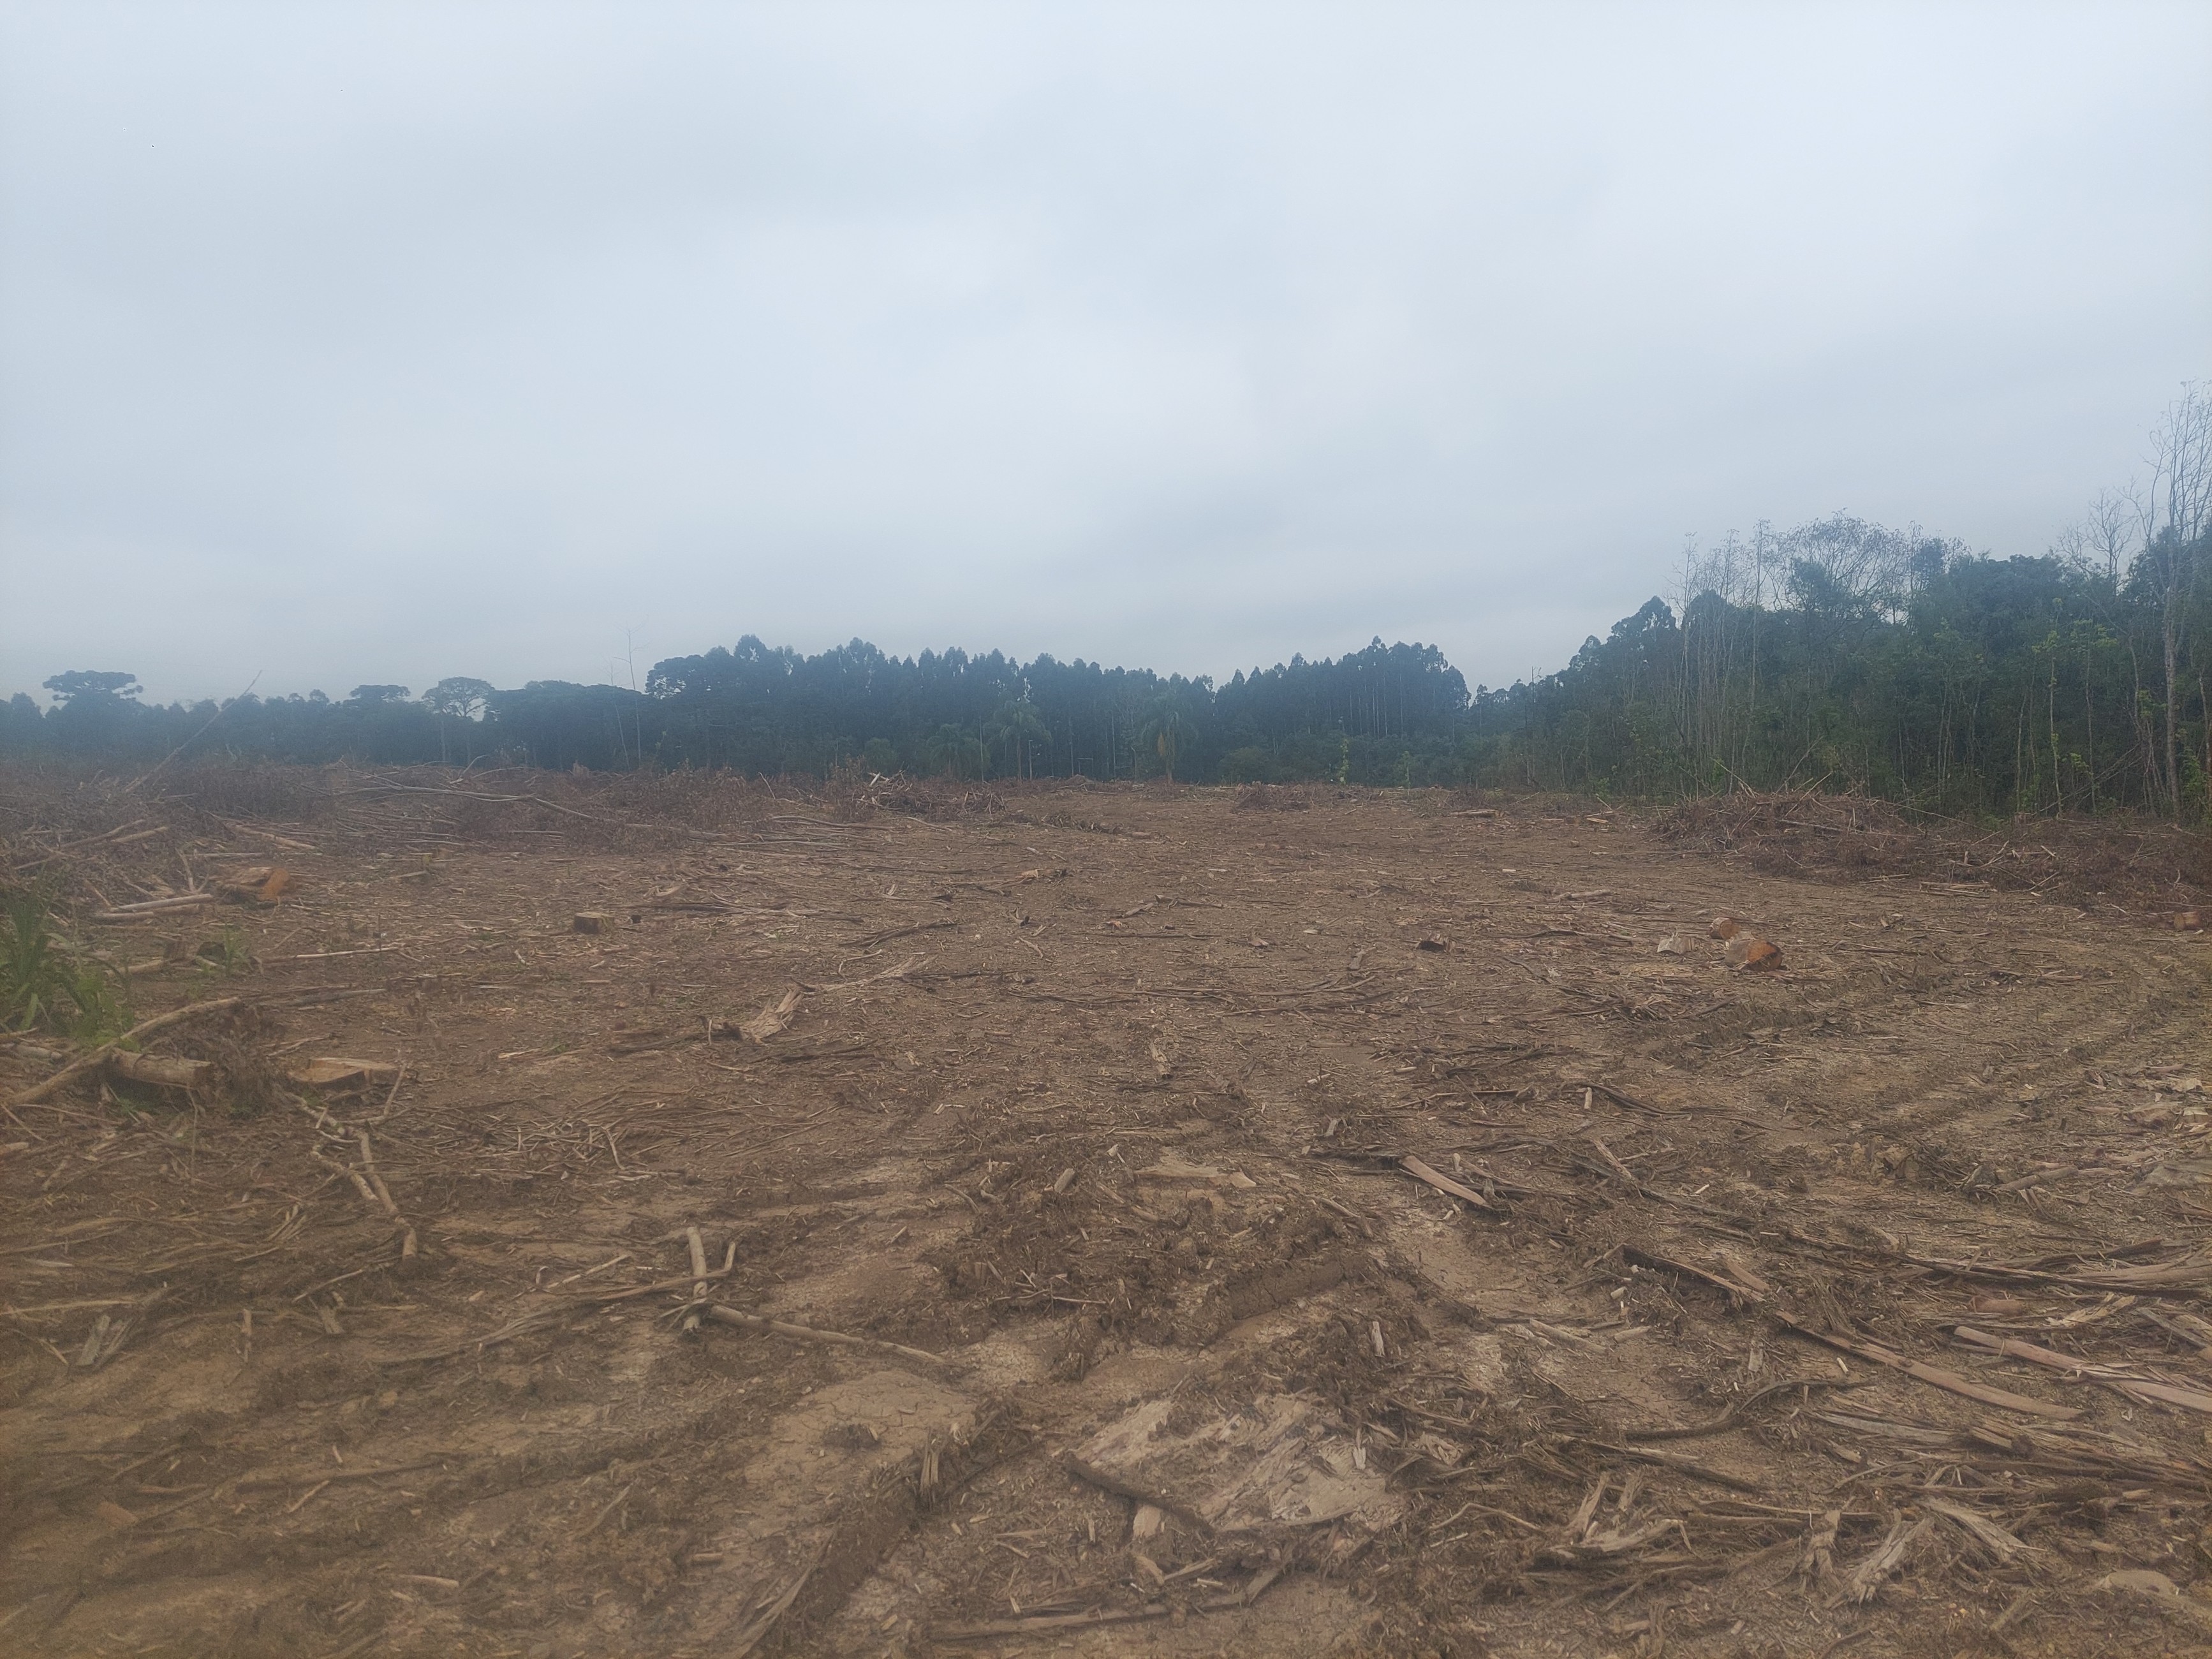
1168, 730
1017, 726
955, 748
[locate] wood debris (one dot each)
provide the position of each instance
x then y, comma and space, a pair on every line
1181, 1172
135, 1035
1865, 1580
1934, 1375
1444, 1183
722, 1315
2133, 1384
2001, 1544
772, 1019
2160, 1590
159, 1071
336, 1072
1747, 952
260, 883
1636, 1368
1279, 1462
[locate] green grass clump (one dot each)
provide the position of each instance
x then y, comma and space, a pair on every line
48, 985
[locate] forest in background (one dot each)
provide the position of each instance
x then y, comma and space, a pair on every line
1839, 654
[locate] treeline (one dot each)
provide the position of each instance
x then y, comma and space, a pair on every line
765, 709
1837, 655
1959, 684
1843, 654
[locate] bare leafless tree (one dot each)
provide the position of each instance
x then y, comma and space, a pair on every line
2173, 512
2106, 538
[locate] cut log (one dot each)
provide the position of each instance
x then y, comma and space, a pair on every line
160, 1070
92, 1062
260, 884
333, 1072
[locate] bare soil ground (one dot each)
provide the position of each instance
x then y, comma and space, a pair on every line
1855, 1301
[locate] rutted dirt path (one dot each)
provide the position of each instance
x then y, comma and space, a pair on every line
1099, 1100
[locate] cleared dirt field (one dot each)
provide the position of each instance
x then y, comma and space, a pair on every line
1857, 1300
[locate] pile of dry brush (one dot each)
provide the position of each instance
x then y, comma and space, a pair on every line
2126, 863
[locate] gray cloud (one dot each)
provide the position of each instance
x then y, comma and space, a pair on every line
391, 342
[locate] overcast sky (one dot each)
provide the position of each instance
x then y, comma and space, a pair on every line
383, 343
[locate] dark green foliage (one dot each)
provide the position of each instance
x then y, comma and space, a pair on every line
1840, 654
91, 684
761, 709
1955, 682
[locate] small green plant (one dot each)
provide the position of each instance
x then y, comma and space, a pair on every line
223, 956
44, 984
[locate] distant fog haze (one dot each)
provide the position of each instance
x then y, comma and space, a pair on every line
347, 343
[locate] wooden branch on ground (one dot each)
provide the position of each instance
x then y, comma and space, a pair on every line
754, 1633
1934, 1375
114, 837
384, 1196
1039, 1623
2139, 1388
535, 800
309, 1476
1622, 1097
1108, 1482
529, 1323
1735, 1290
1729, 1419
368, 1182
597, 1297
1408, 1163
106, 1051
866, 940
698, 1244
2185, 1276
807, 1334
148, 908
1444, 1183
1678, 1462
